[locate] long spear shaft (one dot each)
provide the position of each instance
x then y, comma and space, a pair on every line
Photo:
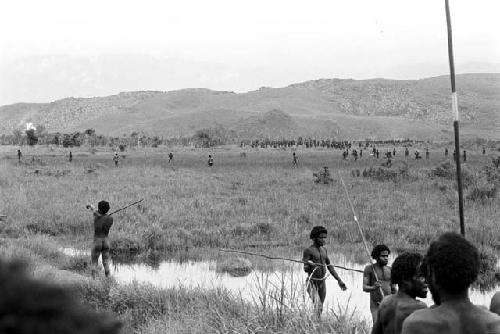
139, 201
454, 106
361, 233
285, 259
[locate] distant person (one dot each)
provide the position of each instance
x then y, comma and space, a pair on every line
484, 150
377, 278
30, 306
19, 155
495, 303
210, 161
102, 225
170, 157
316, 263
70, 156
377, 153
394, 152
407, 152
417, 155
294, 160
427, 153
360, 153
452, 266
446, 152
116, 158
394, 309
465, 155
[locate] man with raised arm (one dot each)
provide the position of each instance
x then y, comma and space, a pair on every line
102, 225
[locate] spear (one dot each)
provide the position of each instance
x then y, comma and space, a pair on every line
361, 233
283, 258
136, 202
454, 107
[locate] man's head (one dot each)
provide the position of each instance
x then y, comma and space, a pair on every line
380, 253
103, 207
318, 235
452, 264
407, 275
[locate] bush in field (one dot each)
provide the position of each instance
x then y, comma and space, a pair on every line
447, 170
385, 174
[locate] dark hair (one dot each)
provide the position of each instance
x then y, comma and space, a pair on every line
454, 261
30, 306
379, 249
405, 267
316, 231
103, 207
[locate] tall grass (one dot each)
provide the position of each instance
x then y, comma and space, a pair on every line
252, 202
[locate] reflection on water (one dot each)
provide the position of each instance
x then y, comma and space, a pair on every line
204, 275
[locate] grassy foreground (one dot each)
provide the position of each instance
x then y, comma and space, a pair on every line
253, 202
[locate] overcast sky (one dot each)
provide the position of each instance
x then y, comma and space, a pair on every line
299, 40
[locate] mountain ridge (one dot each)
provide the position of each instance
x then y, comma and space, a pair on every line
340, 107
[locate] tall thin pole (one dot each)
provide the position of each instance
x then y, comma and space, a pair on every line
454, 106
361, 233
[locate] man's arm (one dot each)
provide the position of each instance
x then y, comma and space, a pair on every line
332, 271
366, 280
306, 257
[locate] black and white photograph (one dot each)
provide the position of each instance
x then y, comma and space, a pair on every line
253, 167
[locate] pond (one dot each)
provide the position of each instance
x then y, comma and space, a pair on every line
291, 277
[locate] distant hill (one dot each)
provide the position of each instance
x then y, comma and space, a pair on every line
376, 108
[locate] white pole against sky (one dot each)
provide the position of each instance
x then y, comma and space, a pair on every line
248, 44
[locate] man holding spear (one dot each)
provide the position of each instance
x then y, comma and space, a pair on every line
316, 262
102, 225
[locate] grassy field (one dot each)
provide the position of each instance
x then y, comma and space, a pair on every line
253, 202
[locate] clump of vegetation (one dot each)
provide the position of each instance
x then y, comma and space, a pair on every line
386, 174
447, 170
237, 267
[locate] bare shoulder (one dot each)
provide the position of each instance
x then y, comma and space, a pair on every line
420, 321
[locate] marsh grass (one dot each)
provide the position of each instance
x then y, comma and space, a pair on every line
147, 310
260, 202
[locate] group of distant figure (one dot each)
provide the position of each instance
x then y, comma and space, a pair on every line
356, 154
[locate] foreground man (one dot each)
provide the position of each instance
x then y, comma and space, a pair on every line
452, 266
380, 253
30, 306
102, 224
396, 308
316, 253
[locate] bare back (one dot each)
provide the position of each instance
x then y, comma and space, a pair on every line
453, 318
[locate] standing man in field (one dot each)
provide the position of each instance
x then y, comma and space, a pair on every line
170, 157
394, 309
377, 278
316, 262
210, 161
452, 266
70, 156
294, 160
102, 225
19, 155
116, 158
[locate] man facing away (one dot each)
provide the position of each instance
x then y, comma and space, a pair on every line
394, 309
452, 266
102, 225
495, 303
377, 278
316, 263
